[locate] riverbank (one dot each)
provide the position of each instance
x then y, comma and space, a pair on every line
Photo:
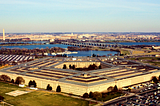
21, 44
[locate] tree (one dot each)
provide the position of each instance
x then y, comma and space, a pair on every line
73, 67
1, 98
70, 66
34, 83
49, 87
110, 88
5, 78
100, 67
92, 67
19, 80
64, 66
85, 95
58, 88
12, 81
154, 79
30, 83
115, 89
93, 55
91, 95
104, 95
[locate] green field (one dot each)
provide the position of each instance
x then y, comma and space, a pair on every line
125, 52
150, 60
38, 98
111, 96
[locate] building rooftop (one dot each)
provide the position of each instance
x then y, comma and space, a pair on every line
113, 69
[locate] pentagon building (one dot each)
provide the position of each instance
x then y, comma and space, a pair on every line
113, 71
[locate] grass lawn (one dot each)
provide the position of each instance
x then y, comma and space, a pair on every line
125, 52
149, 60
145, 58
111, 96
135, 52
38, 98
154, 63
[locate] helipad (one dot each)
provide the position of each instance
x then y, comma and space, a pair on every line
16, 93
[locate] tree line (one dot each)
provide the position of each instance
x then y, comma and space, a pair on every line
35, 52
20, 80
111, 91
90, 67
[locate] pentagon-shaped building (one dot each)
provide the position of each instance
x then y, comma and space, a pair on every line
109, 72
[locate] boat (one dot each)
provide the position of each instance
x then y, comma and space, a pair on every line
61, 53
45, 53
53, 53
74, 52
67, 52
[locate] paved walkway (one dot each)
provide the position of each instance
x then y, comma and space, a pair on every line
117, 99
5, 104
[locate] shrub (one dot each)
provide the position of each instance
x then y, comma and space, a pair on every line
97, 95
58, 89
85, 95
154, 79
5, 78
19, 80
104, 95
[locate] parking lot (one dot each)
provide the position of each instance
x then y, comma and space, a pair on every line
145, 94
15, 58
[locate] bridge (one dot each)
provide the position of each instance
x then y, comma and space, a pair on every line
91, 44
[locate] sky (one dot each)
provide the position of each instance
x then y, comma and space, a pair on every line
26, 16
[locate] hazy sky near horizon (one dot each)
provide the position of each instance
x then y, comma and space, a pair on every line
79, 16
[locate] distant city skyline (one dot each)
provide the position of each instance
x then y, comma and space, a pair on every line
28, 16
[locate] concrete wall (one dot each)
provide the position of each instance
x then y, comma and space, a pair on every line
80, 90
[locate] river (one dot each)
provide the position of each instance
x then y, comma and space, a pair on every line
82, 53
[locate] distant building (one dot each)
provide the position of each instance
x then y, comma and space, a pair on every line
3, 34
25, 39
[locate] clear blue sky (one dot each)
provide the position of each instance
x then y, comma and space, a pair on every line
80, 15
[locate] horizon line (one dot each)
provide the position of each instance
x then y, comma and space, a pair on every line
91, 32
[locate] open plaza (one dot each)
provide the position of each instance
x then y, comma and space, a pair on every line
113, 71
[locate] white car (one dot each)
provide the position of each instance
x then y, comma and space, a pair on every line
21, 85
33, 88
